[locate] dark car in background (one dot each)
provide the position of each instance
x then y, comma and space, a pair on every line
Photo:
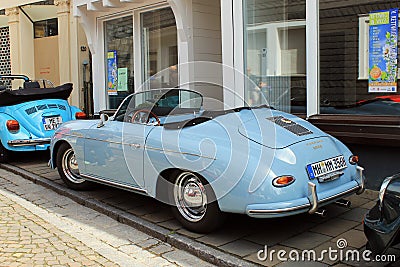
382, 222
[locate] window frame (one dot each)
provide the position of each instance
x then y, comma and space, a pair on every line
363, 47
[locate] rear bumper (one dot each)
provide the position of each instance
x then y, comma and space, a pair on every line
309, 204
29, 142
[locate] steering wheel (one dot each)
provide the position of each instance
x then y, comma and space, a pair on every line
138, 117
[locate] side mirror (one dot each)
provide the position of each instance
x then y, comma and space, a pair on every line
103, 119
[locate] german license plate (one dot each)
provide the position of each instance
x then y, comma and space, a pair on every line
52, 123
326, 167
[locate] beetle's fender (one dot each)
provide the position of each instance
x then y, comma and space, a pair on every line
74, 110
6, 135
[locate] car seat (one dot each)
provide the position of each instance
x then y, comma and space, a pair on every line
30, 85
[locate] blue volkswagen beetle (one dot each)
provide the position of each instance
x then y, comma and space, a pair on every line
255, 161
30, 114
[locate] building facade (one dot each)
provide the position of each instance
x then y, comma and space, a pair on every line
41, 39
306, 57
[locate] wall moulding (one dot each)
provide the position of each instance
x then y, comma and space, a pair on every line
62, 5
12, 14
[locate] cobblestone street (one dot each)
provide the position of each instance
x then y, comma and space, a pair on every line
42, 228
236, 244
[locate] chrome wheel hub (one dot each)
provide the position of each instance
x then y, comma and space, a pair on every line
70, 167
190, 197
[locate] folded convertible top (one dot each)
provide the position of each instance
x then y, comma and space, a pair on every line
14, 97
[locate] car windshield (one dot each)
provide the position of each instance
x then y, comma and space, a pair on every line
162, 103
181, 100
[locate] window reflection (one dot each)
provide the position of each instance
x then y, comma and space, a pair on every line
275, 54
160, 49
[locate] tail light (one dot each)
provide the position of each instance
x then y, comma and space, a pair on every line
283, 181
12, 126
353, 160
80, 115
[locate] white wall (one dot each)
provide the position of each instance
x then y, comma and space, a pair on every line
27, 47
207, 46
13, 3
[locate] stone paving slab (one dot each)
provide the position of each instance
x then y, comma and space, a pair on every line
242, 236
39, 235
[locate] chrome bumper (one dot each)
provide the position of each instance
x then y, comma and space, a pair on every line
314, 202
29, 142
362, 180
313, 197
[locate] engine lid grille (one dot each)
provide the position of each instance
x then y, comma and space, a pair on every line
35, 109
290, 125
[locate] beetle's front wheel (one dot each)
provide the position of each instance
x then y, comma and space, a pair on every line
68, 169
194, 203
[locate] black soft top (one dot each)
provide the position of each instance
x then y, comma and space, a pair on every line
14, 97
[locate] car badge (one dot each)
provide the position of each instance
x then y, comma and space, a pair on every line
286, 121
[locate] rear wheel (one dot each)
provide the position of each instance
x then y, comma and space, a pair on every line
194, 203
4, 154
68, 168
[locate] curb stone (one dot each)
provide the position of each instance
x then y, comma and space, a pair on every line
196, 248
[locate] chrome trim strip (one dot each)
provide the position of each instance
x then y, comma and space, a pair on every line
114, 184
279, 210
73, 135
339, 195
137, 146
29, 142
95, 139
178, 152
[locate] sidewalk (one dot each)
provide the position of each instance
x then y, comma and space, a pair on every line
56, 231
241, 237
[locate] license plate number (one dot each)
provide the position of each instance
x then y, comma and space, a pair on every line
325, 167
52, 123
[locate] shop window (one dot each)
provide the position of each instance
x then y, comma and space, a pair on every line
119, 60
159, 49
363, 47
45, 28
275, 54
344, 60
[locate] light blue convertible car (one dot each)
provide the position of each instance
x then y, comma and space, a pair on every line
255, 161
29, 115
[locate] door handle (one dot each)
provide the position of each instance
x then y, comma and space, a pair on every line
136, 146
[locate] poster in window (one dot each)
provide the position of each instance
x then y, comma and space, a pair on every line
383, 36
112, 73
122, 80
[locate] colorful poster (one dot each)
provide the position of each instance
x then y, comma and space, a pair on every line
122, 80
383, 36
112, 78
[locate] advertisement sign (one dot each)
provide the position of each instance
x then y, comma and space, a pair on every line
383, 36
122, 80
112, 78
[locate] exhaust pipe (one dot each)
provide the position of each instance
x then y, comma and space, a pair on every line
321, 212
343, 203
